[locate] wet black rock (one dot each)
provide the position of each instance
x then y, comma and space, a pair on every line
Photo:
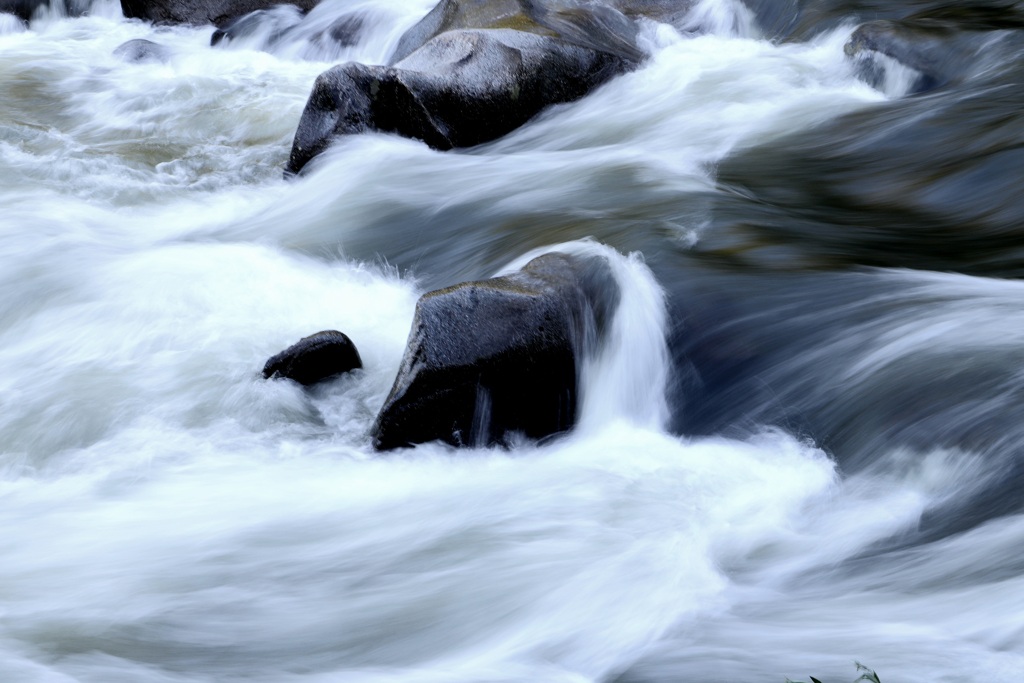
315, 358
460, 89
140, 50
200, 12
21, 8
496, 358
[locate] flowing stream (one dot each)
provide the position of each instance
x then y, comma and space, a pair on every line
784, 463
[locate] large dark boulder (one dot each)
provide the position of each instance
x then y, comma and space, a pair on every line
460, 89
491, 359
601, 24
200, 12
315, 358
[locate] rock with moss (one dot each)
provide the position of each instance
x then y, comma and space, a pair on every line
493, 360
607, 25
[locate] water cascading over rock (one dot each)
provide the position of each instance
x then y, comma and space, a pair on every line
941, 53
218, 12
460, 89
492, 359
606, 25
26, 9
284, 24
472, 71
139, 51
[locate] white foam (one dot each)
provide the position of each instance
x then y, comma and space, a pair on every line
170, 516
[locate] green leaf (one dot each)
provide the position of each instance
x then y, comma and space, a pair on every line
869, 675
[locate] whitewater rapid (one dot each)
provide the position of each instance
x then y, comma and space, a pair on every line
171, 517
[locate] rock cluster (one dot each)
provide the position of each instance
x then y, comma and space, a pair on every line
460, 89
472, 71
487, 362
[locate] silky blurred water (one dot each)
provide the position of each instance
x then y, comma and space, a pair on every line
777, 471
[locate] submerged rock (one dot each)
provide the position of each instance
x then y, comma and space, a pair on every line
939, 53
9, 23
217, 12
346, 31
141, 50
928, 182
275, 22
315, 358
491, 359
803, 19
460, 89
286, 22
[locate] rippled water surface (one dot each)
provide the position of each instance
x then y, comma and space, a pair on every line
798, 448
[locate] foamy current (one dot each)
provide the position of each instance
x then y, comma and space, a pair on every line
169, 516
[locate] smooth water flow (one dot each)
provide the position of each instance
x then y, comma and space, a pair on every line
774, 474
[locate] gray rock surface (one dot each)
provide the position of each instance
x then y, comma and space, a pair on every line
492, 359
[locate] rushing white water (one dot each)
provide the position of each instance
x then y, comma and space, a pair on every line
169, 516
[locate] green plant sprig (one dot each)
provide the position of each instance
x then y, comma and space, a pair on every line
867, 674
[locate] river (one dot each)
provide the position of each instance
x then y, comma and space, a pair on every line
799, 447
